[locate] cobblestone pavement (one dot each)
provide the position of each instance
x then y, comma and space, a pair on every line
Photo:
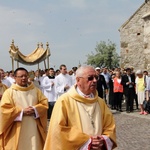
133, 131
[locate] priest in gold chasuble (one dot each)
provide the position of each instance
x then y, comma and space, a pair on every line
81, 120
23, 115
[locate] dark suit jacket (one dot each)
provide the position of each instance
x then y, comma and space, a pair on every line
100, 84
124, 80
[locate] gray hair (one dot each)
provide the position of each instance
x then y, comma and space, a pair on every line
139, 72
81, 70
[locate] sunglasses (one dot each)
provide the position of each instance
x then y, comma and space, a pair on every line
91, 78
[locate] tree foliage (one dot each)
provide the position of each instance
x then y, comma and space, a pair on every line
105, 55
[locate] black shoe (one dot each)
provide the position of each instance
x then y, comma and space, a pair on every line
121, 110
127, 111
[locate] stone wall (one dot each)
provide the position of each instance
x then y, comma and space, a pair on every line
135, 40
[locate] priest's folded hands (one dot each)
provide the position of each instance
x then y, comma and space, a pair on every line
29, 111
97, 143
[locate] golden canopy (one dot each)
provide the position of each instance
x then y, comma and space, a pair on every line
37, 56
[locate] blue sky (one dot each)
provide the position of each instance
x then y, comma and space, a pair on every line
72, 27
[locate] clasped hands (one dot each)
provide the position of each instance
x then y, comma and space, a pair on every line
29, 111
97, 143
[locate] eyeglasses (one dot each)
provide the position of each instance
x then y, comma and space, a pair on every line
90, 78
23, 76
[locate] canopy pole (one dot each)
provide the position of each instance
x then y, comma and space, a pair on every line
45, 64
12, 64
48, 62
48, 53
17, 64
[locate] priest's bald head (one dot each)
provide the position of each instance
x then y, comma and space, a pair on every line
86, 79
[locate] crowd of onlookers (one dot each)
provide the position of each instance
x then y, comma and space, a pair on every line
116, 86
126, 86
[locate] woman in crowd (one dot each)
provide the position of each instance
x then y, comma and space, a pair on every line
140, 90
118, 91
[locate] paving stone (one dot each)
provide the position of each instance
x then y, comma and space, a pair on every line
133, 131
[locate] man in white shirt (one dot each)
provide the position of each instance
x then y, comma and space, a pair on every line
107, 79
74, 75
48, 85
11, 77
4, 80
63, 81
38, 79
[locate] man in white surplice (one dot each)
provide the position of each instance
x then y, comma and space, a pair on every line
73, 76
63, 81
4, 80
48, 85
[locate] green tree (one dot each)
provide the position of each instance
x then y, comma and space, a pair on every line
105, 55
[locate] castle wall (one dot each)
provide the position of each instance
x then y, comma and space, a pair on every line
135, 40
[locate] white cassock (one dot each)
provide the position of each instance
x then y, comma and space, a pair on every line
41, 80
38, 82
73, 76
60, 82
49, 89
11, 80
6, 82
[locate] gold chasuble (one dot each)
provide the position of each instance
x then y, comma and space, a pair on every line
30, 133
3, 87
67, 130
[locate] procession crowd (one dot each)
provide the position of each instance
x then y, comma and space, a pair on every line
64, 96
116, 86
